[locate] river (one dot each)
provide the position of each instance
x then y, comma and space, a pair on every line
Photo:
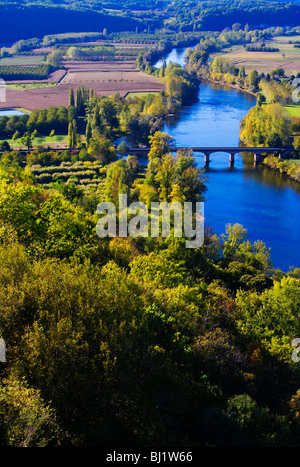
265, 202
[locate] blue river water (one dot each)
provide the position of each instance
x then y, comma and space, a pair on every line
265, 202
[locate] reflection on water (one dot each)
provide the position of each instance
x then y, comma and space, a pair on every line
175, 56
270, 177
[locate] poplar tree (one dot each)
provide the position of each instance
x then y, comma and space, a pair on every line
72, 134
75, 136
79, 103
242, 73
96, 123
88, 133
163, 68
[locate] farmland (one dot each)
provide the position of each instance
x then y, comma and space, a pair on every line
105, 77
32, 85
293, 110
56, 141
30, 60
104, 83
95, 77
86, 175
140, 94
287, 57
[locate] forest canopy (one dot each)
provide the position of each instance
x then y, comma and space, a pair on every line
139, 341
23, 21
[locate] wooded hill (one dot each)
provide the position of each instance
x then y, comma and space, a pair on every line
24, 21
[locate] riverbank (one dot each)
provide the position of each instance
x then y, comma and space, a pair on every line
232, 86
289, 167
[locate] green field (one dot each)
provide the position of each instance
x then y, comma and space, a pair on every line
293, 110
30, 85
48, 140
140, 94
26, 111
59, 139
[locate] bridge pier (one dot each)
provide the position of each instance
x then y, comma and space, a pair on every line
256, 159
231, 160
206, 159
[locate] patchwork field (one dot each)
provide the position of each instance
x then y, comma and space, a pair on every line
96, 77
106, 78
287, 58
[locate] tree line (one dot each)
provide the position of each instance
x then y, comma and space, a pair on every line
261, 49
19, 72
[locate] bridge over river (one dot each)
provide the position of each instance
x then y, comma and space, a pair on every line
258, 152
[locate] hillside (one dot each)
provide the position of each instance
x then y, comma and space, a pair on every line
23, 21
